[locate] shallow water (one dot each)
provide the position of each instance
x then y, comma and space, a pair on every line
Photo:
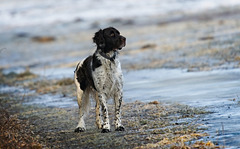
218, 91
192, 88
50, 100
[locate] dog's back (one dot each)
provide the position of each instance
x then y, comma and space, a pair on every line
83, 74
105, 76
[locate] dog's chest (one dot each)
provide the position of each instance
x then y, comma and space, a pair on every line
108, 77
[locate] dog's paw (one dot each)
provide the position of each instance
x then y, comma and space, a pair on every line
79, 129
120, 128
105, 130
99, 126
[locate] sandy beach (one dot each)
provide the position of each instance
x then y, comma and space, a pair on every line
181, 73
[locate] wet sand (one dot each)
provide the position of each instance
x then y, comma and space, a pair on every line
148, 125
193, 42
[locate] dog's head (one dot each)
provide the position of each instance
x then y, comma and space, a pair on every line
109, 39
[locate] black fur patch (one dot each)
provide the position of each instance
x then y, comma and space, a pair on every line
109, 39
95, 62
84, 74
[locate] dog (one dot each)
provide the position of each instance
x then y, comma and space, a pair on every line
100, 76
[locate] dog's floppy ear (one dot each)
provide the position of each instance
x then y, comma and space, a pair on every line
99, 39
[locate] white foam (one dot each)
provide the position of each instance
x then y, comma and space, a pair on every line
16, 13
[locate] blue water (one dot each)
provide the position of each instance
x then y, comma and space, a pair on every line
193, 88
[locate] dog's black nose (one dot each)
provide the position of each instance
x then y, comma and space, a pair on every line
123, 39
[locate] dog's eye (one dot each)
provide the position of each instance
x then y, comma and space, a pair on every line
112, 34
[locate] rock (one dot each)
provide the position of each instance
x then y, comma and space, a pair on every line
154, 102
206, 38
148, 46
43, 39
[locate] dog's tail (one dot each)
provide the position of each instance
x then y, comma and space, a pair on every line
86, 102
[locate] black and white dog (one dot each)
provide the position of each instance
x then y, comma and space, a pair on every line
100, 76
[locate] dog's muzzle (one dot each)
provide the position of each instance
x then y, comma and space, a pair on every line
123, 42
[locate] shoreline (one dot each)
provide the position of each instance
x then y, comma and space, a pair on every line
145, 122
197, 43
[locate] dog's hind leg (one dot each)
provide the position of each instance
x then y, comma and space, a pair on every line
81, 123
83, 104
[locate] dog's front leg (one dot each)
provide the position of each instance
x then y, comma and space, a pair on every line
98, 115
106, 124
118, 103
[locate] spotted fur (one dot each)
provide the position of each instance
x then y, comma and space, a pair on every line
100, 76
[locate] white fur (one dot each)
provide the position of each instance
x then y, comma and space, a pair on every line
108, 81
